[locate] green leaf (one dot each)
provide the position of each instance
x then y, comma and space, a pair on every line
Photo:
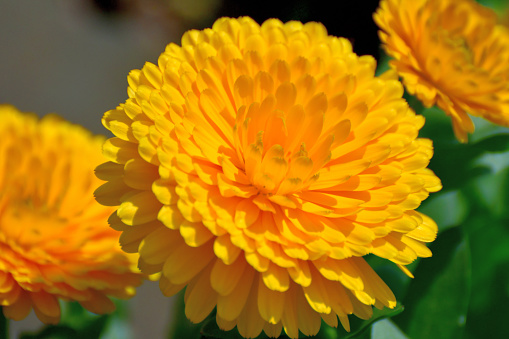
383, 63
76, 323
182, 327
54, 332
210, 330
391, 274
487, 313
493, 143
490, 194
119, 324
327, 332
78, 318
455, 164
386, 329
87, 330
447, 209
484, 128
358, 330
438, 298
4, 326
419, 108
497, 5
496, 162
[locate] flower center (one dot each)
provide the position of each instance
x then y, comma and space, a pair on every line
280, 138
33, 224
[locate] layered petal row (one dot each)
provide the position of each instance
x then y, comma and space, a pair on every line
256, 165
450, 53
55, 243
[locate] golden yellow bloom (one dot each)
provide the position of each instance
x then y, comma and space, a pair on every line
450, 53
256, 165
55, 242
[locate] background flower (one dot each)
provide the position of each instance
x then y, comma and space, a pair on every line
450, 53
54, 239
256, 165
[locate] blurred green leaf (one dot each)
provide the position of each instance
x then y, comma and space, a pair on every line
484, 129
358, 330
490, 275
182, 327
438, 297
75, 316
328, 332
493, 143
118, 325
418, 108
4, 326
452, 161
383, 63
86, 329
475, 197
210, 330
386, 329
458, 164
78, 323
453, 165
490, 194
496, 162
54, 332
498, 5
391, 274
447, 209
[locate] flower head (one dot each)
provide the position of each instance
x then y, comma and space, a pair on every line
450, 53
55, 242
256, 165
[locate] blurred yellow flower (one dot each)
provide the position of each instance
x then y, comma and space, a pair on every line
257, 165
55, 242
451, 53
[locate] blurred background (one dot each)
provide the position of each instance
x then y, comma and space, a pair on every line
72, 57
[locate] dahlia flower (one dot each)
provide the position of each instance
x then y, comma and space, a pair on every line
450, 53
55, 242
257, 165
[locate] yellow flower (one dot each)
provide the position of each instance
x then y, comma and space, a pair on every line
450, 53
55, 242
256, 165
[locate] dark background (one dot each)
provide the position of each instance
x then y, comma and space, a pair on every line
349, 19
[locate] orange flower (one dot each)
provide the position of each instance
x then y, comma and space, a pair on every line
54, 239
450, 53
256, 165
